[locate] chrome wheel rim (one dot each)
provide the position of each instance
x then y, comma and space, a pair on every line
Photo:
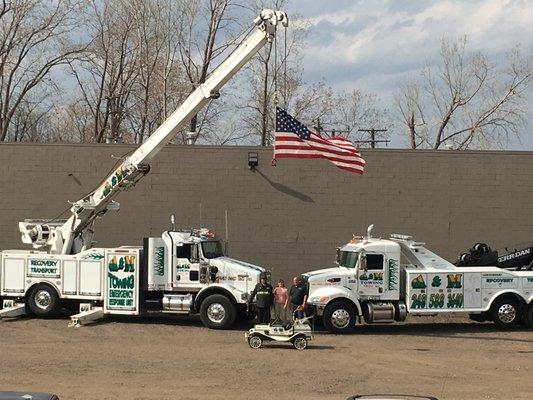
340, 318
255, 342
300, 343
507, 313
216, 312
43, 299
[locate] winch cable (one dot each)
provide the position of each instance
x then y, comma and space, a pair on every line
285, 55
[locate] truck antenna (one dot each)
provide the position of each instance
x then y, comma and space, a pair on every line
227, 237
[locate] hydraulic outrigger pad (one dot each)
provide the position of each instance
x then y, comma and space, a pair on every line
11, 309
86, 315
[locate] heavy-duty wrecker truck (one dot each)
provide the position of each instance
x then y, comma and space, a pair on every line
181, 272
382, 281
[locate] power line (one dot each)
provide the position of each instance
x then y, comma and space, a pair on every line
373, 139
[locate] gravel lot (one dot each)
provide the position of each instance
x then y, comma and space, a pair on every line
169, 358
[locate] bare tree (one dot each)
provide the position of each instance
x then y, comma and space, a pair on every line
107, 75
467, 102
356, 110
30, 122
161, 81
211, 30
274, 76
34, 40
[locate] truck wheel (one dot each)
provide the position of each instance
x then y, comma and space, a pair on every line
217, 312
339, 317
300, 343
505, 312
528, 316
255, 341
43, 301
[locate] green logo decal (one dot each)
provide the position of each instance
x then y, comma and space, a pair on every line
126, 264
418, 300
120, 291
455, 300
44, 268
436, 281
159, 264
504, 280
44, 263
121, 282
436, 300
115, 179
418, 282
93, 256
392, 278
373, 276
455, 281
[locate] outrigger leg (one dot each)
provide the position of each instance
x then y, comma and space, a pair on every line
11, 309
89, 314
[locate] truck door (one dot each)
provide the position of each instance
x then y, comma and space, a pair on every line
186, 265
370, 275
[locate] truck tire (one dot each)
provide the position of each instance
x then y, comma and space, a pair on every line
505, 312
217, 312
528, 316
43, 301
339, 317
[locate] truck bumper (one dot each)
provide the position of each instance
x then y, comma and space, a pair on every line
317, 309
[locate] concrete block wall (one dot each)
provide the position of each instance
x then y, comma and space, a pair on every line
291, 217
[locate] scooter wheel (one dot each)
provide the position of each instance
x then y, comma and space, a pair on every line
300, 343
255, 342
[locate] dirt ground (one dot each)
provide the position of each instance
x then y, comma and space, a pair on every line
169, 358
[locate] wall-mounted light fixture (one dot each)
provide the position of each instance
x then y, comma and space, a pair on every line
253, 160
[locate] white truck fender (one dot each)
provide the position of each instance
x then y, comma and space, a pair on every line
322, 296
507, 292
217, 288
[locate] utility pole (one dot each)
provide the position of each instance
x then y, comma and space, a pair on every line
372, 140
318, 126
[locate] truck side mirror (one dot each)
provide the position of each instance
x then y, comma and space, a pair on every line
362, 262
338, 258
195, 257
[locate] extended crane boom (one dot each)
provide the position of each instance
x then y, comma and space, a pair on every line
75, 234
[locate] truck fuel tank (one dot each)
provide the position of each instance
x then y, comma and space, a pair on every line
376, 312
177, 303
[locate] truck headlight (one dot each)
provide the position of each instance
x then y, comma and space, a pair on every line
320, 300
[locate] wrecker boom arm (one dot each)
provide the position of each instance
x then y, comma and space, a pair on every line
75, 234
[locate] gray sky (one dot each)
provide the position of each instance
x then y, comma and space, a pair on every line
375, 45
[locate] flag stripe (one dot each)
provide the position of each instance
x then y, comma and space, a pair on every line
317, 154
295, 140
293, 143
283, 138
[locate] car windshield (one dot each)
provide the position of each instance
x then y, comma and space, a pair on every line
212, 249
348, 259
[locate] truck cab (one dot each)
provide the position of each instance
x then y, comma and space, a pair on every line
366, 281
186, 268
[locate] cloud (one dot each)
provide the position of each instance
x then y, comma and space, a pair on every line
388, 37
377, 45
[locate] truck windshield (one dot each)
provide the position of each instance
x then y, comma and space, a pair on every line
212, 249
348, 259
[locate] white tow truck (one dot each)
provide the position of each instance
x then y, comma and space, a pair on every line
383, 280
181, 272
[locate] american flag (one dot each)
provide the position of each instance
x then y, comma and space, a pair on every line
294, 140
